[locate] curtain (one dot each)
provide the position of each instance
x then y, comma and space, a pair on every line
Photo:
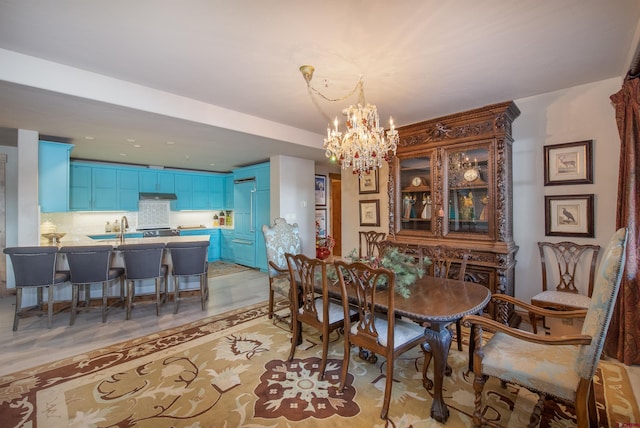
623, 340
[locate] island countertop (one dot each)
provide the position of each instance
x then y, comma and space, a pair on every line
72, 240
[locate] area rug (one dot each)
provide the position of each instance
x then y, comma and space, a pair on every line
223, 268
232, 371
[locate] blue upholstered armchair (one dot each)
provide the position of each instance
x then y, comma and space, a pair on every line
561, 367
280, 238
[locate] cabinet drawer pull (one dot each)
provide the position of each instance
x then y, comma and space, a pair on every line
240, 241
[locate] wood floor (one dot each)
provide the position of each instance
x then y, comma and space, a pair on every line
33, 344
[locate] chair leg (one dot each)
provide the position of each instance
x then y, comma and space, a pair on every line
105, 300
387, 389
158, 286
593, 411
459, 334
50, 307
130, 291
18, 306
203, 292
325, 352
271, 297
74, 302
478, 386
176, 294
345, 362
533, 319
534, 420
297, 333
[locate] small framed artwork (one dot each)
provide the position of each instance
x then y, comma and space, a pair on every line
368, 183
569, 163
321, 223
321, 190
569, 215
370, 213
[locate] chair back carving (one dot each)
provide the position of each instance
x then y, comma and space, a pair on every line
603, 299
368, 242
446, 262
563, 260
280, 238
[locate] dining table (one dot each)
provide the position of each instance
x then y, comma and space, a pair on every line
435, 303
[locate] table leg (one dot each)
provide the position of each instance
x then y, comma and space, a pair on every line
439, 339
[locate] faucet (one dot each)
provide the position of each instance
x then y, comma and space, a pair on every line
124, 225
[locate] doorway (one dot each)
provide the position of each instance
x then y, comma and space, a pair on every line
335, 184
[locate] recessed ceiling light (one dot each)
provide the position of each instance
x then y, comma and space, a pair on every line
170, 143
212, 164
187, 157
137, 145
123, 154
130, 140
89, 137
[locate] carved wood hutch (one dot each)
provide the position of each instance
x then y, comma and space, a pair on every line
450, 183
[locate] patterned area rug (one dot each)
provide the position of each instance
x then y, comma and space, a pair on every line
224, 268
231, 371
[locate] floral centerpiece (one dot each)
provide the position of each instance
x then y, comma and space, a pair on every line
324, 244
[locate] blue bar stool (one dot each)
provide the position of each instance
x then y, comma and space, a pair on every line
35, 267
90, 265
189, 259
144, 261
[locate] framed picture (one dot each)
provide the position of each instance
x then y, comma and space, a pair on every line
569, 215
370, 213
321, 190
569, 163
321, 223
369, 182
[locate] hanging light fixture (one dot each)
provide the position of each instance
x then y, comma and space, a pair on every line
364, 145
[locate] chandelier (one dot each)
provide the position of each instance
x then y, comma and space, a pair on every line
364, 145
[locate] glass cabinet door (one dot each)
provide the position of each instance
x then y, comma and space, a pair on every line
416, 203
467, 175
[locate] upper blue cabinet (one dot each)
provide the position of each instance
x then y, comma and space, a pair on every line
97, 187
53, 176
157, 181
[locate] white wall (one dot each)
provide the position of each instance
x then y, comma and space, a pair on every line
293, 196
569, 115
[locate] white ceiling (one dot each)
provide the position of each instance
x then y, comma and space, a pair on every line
232, 66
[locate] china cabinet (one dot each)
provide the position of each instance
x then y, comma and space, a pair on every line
450, 184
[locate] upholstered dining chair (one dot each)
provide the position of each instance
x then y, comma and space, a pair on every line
368, 240
373, 330
560, 367
89, 265
446, 262
279, 239
142, 262
312, 306
35, 267
561, 262
189, 259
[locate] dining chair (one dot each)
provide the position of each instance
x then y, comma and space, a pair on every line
35, 267
367, 243
559, 367
564, 262
279, 239
446, 262
311, 305
373, 330
189, 259
144, 262
89, 265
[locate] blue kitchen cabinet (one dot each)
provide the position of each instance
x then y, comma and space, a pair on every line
80, 188
228, 192
53, 176
157, 181
216, 192
214, 252
104, 189
183, 191
128, 189
192, 190
226, 245
200, 189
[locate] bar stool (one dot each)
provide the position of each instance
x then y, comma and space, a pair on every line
189, 259
144, 261
35, 267
90, 265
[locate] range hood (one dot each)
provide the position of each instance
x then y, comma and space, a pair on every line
149, 196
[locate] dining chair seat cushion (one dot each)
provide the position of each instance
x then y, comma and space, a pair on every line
336, 312
539, 367
563, 298
403, 332
281, 284
61, 276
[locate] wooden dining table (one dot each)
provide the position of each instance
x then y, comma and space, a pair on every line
436, 302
